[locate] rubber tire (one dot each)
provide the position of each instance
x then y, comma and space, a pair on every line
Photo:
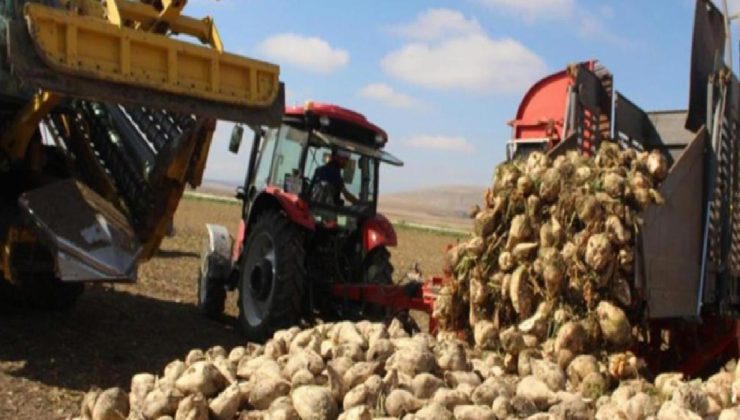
378, 269
42, 291
51, 294
211, 294
286, 301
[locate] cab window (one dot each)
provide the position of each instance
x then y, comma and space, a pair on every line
287, 160
264, 160
358, 175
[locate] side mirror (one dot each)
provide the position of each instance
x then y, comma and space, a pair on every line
240, 195
236, 138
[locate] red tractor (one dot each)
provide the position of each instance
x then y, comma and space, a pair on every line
309, 222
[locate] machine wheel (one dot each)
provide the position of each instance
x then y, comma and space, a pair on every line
37, 286
378, 270
211, 292
51, 294
272, 283
378, 267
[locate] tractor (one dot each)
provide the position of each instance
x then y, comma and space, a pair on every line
300, 234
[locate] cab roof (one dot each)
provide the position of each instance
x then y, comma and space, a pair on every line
335, 112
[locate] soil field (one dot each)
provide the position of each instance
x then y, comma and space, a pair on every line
48, 360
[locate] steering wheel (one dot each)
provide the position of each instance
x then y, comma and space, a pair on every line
361, 207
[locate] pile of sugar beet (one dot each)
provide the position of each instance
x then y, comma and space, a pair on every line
536, 319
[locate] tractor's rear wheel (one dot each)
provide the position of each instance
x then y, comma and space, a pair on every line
378, 270
272, 283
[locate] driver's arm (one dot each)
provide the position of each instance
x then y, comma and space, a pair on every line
349, 196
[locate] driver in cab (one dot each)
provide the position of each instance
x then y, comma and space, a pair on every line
331, 173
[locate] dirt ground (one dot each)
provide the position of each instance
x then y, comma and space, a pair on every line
48, 360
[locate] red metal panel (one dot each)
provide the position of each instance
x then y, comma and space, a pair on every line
378, 231
719, 343
393, 297
695, 348
335, 112
296, 209
542, 110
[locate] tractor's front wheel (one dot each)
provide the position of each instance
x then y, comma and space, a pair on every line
211, 291
272, 283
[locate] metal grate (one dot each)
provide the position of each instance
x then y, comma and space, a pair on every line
723, 235
129, 147
734, 258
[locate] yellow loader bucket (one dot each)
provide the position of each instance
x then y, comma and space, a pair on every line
90, 58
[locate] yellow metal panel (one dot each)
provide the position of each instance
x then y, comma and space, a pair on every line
91, 47
149, 62
177, 171
193, 72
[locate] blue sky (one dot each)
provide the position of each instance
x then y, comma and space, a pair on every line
444, 77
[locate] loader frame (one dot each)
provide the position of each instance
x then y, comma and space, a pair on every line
127, 110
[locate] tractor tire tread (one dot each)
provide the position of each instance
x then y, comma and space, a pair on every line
212, 304
380, 260
378, 270
287, 306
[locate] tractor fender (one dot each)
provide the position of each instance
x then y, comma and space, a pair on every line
294, 207
273, 198
216, 259
378, 231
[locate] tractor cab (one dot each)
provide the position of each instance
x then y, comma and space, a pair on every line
309, 222
329, 158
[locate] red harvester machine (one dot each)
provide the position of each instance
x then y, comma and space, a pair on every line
688, 253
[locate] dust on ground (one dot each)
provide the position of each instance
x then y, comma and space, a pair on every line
49, 360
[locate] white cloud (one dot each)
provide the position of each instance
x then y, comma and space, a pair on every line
385, 94
533, 10
309, 53
436, 142
473, 63
589, 23
435, 24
